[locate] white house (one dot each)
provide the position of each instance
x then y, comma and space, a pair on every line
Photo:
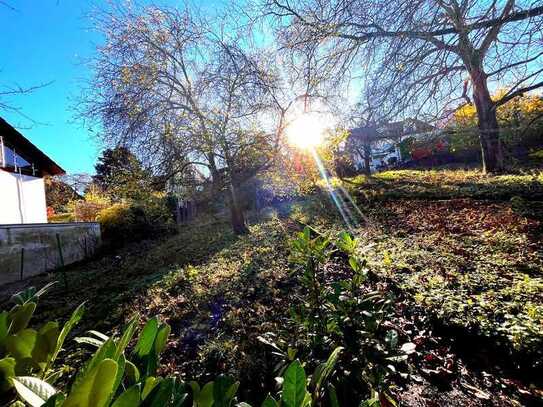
372, 148
22, 168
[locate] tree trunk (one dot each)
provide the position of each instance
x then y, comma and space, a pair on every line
489, 132
215, 176
367, 157
236, 212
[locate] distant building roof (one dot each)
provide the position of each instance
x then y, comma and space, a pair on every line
406, 127
29, 150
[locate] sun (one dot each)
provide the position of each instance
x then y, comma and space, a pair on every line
307, 131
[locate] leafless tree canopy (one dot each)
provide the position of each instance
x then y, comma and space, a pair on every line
423, 56
181, 91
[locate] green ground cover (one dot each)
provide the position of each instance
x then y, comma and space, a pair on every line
447, 184
470, 264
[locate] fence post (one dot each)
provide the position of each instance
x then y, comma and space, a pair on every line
61, 256
22, 261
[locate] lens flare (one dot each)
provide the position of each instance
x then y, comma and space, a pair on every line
307, 131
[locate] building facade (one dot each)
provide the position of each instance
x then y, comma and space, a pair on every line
22, 168
377, 147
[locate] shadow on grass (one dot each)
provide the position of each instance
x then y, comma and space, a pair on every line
107, 284
437, 185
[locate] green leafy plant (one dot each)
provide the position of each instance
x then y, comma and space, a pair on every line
25, 351
346, 312
110, 378
308, 255
299, 390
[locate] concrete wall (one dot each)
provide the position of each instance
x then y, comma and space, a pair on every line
41, 253
22, 199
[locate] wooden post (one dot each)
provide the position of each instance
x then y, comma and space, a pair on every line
61, 257
22, 261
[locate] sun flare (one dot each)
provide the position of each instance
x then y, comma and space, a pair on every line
307, 130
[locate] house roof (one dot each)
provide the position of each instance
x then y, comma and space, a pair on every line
29, 150
408, 127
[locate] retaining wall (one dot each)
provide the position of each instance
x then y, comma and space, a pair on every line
30, 249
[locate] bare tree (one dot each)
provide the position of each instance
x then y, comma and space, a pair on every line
9, 92
425, 55
180, 92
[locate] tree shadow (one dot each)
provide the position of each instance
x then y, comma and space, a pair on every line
109, 283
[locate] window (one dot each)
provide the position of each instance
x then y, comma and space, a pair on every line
10, 160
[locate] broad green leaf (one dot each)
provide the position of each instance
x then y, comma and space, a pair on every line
132, 372
270, 402
106, 351
179, 393
294, 385
20, 316
334, 402
127, 335
307, 400
7, 371
195, 389
22, 297
33, 390
316, 376
20, 345
89, 341
205, 397
224, 390
4, 328
243, 404
98, 334
121, 363
306, 233
162, 338
44, 289
162, 394
45, 344
144, 355
373, 402
291, 353
354, 263
74, 319
30, 294
328, 367
55, 401
129, 398
104, 383
150, 384
147, 338
95, 387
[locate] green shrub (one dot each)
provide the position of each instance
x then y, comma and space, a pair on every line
61, 218
343, 313
114, 377
133, 221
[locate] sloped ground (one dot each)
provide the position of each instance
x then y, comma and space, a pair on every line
476, 263
466, 273
476, 268
436, 184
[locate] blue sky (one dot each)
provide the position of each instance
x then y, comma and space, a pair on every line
50, 40
43, 41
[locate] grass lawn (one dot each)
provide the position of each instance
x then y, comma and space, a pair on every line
464, 245
447, 184
466, 273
